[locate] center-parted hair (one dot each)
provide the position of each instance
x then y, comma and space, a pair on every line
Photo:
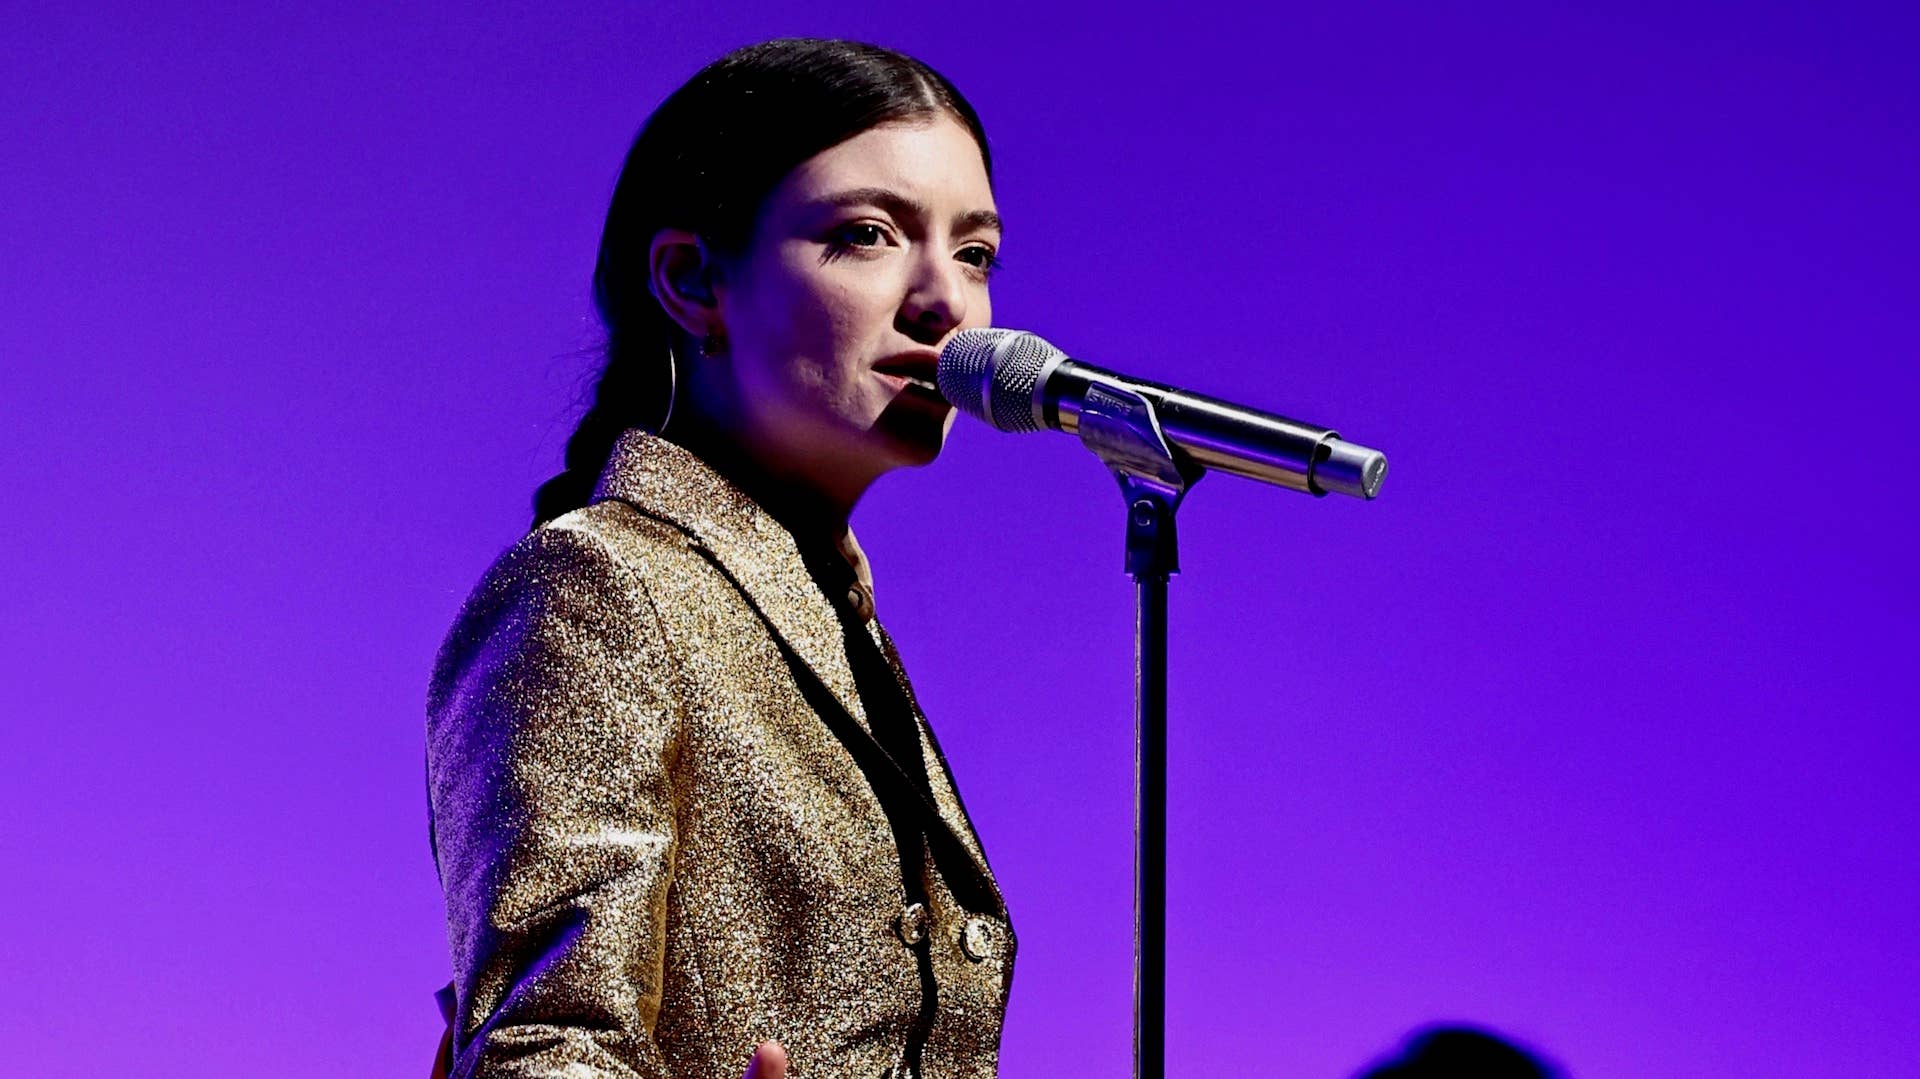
705, 161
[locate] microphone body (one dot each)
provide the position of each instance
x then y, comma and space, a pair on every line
1017, 382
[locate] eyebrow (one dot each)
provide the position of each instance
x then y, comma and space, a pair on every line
901, 206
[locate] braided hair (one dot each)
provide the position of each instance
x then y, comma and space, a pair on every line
705, 161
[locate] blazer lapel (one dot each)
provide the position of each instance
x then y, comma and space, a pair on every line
946, 793
661, 479
760, 557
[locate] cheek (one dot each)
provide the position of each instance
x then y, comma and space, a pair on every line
827, 336
810, 344
837, 324
814, 331
813, 309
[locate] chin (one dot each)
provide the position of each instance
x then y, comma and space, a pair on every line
913, 436
916, 453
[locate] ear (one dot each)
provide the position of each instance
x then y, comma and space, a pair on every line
681, 274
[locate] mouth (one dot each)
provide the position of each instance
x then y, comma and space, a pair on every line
917, 370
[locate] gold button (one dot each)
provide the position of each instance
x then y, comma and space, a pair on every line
912, 924
977, 939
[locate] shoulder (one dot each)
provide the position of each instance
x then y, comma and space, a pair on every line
606, 548
590, 574
617, 529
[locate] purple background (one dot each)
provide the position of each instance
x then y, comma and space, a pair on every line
1596, 727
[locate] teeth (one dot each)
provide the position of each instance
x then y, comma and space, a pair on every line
925, 382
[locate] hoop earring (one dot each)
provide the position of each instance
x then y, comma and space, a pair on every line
673, 389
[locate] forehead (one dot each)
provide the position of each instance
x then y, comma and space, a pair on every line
934, 161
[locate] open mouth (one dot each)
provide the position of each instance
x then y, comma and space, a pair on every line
919, 382
917, 371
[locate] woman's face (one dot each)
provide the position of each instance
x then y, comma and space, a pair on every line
866, 258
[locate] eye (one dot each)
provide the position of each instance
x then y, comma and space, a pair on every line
858, 234
981, 257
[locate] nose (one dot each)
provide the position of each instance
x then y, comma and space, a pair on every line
936, 300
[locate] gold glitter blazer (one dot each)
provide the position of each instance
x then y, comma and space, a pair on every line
651, 820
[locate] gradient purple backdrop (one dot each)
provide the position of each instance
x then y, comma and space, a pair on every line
1597, 727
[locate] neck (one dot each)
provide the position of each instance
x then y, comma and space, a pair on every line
815, 514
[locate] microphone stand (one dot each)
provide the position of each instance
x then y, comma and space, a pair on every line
1121, 428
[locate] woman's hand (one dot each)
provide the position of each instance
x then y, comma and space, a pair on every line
769, 1062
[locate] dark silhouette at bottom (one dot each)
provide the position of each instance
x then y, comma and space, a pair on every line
1461, 1052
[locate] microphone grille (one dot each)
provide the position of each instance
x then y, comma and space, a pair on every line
965, 365
991, 374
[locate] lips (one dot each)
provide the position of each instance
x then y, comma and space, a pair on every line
916, 369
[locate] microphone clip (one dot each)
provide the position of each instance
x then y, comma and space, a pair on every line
1121, 427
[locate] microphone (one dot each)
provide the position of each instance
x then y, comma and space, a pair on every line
1018, 382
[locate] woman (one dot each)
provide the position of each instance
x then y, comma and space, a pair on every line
686, 812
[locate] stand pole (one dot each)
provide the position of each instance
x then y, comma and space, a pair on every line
1120, 426
1150, 816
